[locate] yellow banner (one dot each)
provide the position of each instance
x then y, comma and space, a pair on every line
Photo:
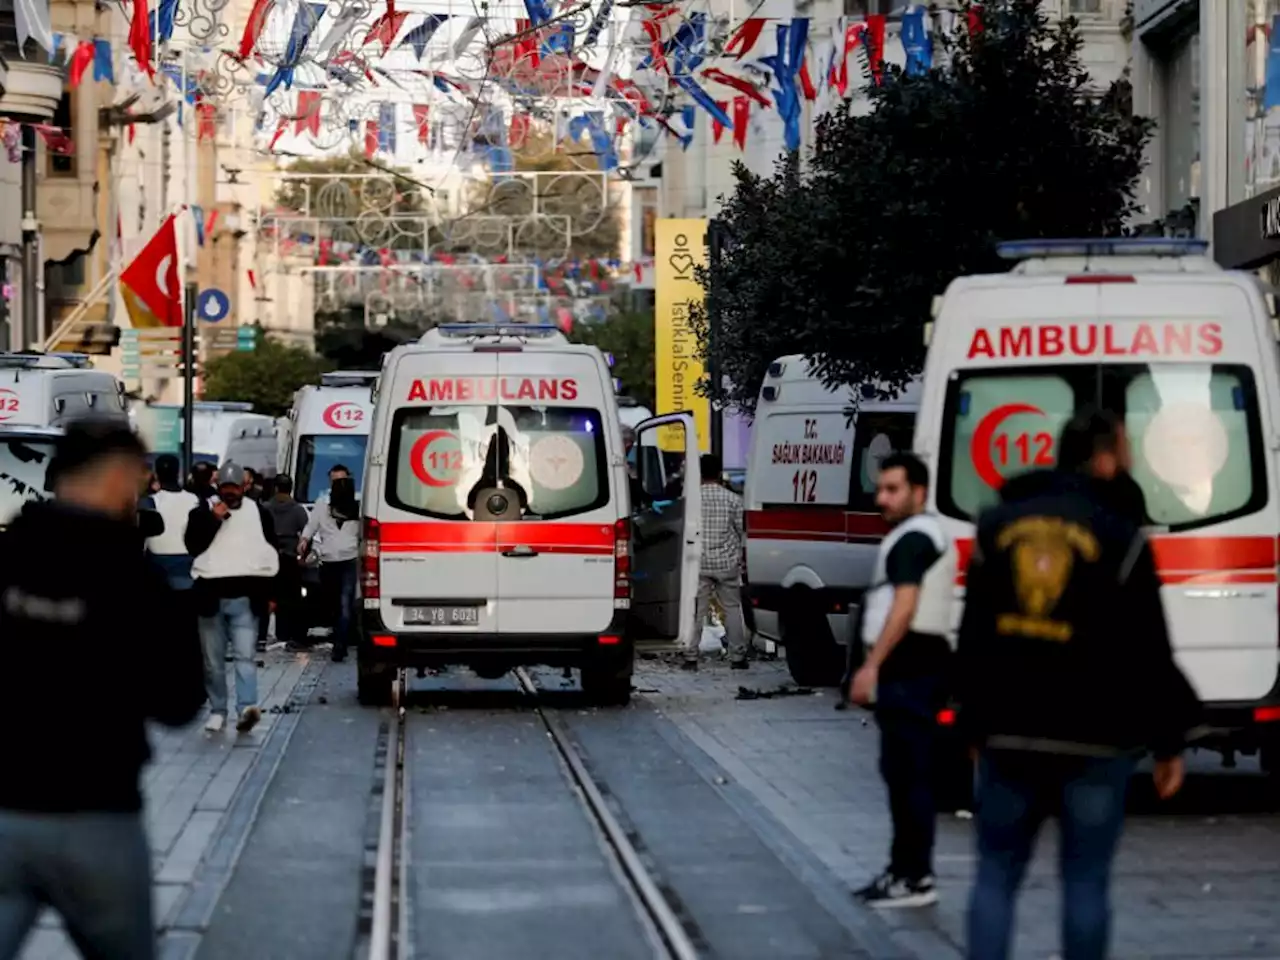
680, 246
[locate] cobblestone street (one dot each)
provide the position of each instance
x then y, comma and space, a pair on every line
201, 793
1195, 879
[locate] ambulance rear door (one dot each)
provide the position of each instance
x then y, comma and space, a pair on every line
438, 567
666, 533
556, 559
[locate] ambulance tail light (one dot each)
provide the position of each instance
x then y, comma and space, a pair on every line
1266, 714
1101, 278
370, 552
622, 564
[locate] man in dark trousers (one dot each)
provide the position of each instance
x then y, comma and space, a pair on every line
1066, 678
289, 518
904, 675
86, 615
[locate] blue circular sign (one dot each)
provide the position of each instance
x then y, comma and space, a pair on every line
212, 305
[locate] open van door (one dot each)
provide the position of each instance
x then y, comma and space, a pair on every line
666, 533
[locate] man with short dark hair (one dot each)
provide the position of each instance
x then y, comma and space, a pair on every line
202, 481
289, 519
84, 613
1066, 678
334, 533
174, 505
905, 622
720, 572
233, 544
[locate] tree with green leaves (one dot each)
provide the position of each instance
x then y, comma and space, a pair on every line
840, 258
629, 337
266, 376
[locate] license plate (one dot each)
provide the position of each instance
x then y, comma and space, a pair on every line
442, 616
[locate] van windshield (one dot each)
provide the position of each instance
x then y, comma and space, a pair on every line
24, 465
1193, 430
444, 458
320, 453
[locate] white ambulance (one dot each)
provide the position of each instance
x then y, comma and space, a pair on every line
811, 520
1186, 352
499, 528
50, 389
328, 426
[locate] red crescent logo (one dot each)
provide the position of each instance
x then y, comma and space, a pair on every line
342, 416
418, 458
980, 445
9, 404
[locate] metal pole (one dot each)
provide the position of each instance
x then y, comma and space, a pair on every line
188, 373
31, 279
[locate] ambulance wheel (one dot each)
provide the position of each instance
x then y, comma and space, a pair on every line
813, 656
374, 682
604, 688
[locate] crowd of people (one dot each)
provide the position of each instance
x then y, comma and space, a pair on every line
1062, 593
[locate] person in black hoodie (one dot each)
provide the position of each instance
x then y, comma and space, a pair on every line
84, 614
1066, 679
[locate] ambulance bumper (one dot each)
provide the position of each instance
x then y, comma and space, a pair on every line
440, 649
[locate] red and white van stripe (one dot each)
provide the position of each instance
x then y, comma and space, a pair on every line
487, 537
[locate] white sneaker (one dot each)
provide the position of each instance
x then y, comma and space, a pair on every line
215, 723
249, 718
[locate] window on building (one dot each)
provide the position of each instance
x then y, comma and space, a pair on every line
64, 164
860, 8
1077, 7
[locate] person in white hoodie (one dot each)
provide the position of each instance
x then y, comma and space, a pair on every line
232, 541
169, 549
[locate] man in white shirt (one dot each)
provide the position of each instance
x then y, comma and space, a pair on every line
334, 533
169, 550
232, 541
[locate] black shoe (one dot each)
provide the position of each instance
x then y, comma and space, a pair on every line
338, 654
739, 664
887, 891
690, 665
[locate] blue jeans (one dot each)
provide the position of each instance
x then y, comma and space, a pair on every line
1016, 792
234, 624
338, 582
906, 712
92, 868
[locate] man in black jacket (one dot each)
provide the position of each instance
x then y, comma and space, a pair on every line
1066, 678
87, 620
232, 543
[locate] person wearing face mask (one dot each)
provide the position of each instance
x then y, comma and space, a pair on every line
72, 831
232, 543
334, 533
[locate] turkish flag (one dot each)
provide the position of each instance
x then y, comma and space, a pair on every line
149, 284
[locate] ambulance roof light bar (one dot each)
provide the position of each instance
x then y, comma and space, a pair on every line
497, 329
45, 361
348, 378
1112, 247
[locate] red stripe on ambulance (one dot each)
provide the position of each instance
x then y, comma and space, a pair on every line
487, 537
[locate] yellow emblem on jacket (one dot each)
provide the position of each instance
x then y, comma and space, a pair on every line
1044, 553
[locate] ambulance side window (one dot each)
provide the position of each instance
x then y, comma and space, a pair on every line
875, 436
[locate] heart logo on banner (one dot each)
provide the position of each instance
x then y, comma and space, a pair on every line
682, 263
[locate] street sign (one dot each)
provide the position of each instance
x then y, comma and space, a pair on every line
212, 305
246, 338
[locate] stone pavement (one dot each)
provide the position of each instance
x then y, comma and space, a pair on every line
191, 788
1195, 879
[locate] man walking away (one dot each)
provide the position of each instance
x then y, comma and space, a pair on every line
169, 550
334, 532
905, 623
202, 481
1066, 678
233, 543
289, 519
74, 576
720, 573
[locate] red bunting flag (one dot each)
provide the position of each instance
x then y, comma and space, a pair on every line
422, 118
717, 128
140, 37
741, 117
